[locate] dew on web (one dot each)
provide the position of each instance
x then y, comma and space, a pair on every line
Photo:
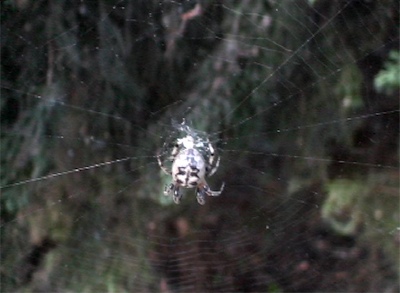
299, 99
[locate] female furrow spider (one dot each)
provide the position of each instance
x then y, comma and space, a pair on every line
190, 167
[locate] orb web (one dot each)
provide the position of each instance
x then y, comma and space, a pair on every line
295, 95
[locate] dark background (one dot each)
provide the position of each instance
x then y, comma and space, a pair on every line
299, 97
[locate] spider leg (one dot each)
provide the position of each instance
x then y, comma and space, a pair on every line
204, 190
212, 152
174, 190
175, 151
177, 194
171, 158
168, 189
210, 169
210, 192
200, 195
214, 169
160, 163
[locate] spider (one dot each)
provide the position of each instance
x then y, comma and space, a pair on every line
189, 168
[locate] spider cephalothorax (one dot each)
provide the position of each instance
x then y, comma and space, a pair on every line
192, 160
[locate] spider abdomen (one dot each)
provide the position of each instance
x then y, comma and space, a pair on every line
192, 159
188, 168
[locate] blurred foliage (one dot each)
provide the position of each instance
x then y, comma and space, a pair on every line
388, 79
342, 206
86, 82
366, 204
